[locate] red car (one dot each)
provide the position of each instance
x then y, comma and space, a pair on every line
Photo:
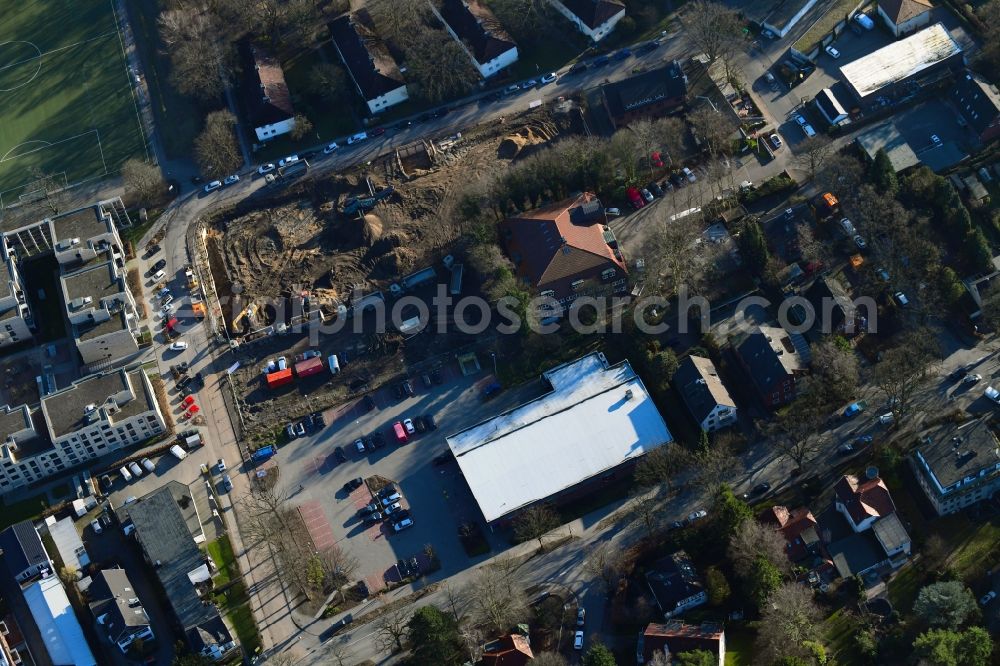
635, 198
400, 432
188, 401
377, 131
656, 160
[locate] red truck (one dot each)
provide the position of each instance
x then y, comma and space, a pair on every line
635, 198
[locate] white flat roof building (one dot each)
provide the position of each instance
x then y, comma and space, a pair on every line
900, 60
596, 418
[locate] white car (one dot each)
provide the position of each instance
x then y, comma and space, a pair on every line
689, 174
581, 617
286, 161
330, 148
231, 179
96, 526
901, 299
549, 78
992, 394
988, 597
178, 346
848, 227
578, 640
359, 445
696, 515
972, 379
214, 185
834, 53
612, 212
403, 524
860, 242
167, 308
408, 424
265, 168
391, 499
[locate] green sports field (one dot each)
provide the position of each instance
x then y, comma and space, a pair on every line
67, 108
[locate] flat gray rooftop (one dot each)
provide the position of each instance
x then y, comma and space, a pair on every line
65, 409
95, 330
954, 451
97, 281
83, 224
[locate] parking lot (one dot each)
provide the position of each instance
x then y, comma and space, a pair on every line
434, 494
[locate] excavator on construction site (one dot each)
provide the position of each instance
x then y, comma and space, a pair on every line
249, 312
364, 204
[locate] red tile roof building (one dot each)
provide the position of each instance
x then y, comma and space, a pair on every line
798, 526
566, 250
511, 650
863, 502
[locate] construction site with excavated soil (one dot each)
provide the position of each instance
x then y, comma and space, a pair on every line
293, 252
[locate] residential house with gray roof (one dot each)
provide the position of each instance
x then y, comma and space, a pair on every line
704, 394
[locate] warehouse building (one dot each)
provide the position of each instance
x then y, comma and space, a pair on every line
904, 66
589, 429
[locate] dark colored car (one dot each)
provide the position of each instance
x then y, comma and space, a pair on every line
377, 131
404, 568
374, 517
106, 483
378, 439
407, 388
655, 189
442, 112
425, 117
442, 459
159, 265
757, 490
418, 423
335, 627
622, 55
369, 402
491, 390
318, 420
400, 393
369, 444
600, 61
387, 490
429, 421
577, 68
352, 484
339, 454
436, 376
677, 180
370, 508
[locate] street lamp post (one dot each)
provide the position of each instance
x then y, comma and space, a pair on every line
494, 356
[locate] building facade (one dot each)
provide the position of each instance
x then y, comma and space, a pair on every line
902, 17
646, 95
594, 18
704, 394
773, 362
374, 71
957, 468
118, 610
267, 98
16, 323
477, 31
90, 418
978, 101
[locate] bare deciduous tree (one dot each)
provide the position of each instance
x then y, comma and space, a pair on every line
496, 599
714, 464
669, 251
836, 371
751, 540
904, 368
797, 431
535, 522
712, 127
647, 509
549, 659
712, 28
812, 154
199, 60
788, 620
217, 150
143, 181
391, 629
301, 127
661, 465
604, 562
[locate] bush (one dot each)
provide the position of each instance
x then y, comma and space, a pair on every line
775, 185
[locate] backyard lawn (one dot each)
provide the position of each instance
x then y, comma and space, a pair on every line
22, 510
739, 646
231, 595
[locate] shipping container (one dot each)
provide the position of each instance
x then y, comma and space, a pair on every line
279, 378
310, 366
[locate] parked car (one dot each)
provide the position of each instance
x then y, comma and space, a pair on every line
622, 55
845, 449
655, 189
578, 640
105, 482
834, 53
901, 299
418, 423
373, 518
148, 465
288, 161
265, 168
96, 526
300, 429
212, 186
230, 180
612, 212
403, 524
429, 421
635, 197
757, 490
988, 597
581, 616
400, 432
689, 174
972, 379
512, 89
865, 21
388, 500
359, 446
696, 515
407, 388
491, 390
992, 394
646, 195
353, 483
859, 240
330, 147
408, 424
393, 509
135, 469
600, 61
339, 454
318, 420
227, 483
178, 346
549, 78
775, 141
369, 402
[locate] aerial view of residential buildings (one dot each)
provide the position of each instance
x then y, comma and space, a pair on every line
500, 332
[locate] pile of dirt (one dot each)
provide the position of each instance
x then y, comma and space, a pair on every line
529, 135
372, 229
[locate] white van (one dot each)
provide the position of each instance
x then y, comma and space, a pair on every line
357, 138
158, 275
135, 469
333, 363
127, 475
282, 363
178, 452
